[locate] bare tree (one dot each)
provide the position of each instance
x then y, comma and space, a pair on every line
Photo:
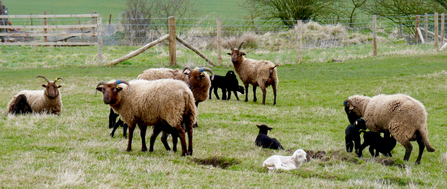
178, 8
137, 20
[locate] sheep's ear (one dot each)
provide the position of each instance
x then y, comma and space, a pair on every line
229, 54
119, 89
59, 86
99, 89
44, 86
242, 53
351, 107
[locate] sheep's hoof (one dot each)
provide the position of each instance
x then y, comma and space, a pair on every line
129, 149
111, 135
195, 125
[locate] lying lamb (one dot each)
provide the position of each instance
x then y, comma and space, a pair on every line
265, 141
228, 83
352, 135
285, 162
21, 105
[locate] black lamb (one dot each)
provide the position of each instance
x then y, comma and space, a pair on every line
21, 105
227, 83
377, 144
352, 136
115, 124
265, 141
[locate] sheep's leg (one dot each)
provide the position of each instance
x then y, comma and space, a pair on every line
129, 144
246, 92
154, 135
181, 134
174, 141
215, 93
125, 130
274, 93
112, 118
229, 93
209, 93
164, 140
264, 94
421, 149
189, 129
254, 93
116, 125
235, 94
356, 143
143, 129
408, 149
224, 93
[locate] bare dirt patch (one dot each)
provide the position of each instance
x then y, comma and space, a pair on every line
222, 162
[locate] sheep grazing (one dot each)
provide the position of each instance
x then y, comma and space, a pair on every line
21, 106
276, 162
47, 100
228, 83
147, 103
377, 144
352, 135
401, 115
260, 73
265, 141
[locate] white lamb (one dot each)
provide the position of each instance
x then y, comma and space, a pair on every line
285, 162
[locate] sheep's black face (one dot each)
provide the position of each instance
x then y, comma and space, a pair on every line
360, 124
352, 116
51, 90
264, 129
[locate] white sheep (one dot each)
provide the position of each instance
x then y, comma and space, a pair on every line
47, 100
164, 102
260, 73
401, 115
285, 162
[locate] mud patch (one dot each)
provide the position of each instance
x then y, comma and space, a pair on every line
222, 162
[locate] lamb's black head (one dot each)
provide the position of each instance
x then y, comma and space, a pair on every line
360, 124
230, 74
264, 128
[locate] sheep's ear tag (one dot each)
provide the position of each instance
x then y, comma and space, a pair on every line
118, 82
57, 79
201, 71
345, 103
356, 123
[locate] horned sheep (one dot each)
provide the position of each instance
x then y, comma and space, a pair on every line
165, 102
260, 73
47, 100
401, 115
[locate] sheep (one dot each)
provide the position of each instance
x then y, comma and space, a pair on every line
352, 135
260, 73
265, 141
47, 100
113, 124
21, 106
228, 83
285, 162
401, 115
376, 142
160, 102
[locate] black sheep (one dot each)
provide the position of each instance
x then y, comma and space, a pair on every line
21, 105
376, 142
265, 141
227, 83
352, 135
115, 124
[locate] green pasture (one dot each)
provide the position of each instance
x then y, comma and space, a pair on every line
228, 9
74, 150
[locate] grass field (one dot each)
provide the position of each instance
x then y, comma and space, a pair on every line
229, 9
75, 149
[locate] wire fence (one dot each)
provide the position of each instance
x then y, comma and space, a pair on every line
322, 41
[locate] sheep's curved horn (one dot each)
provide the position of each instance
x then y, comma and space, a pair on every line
348, 101
100, 83
57, 79
231, 46
44, 78
125, 82
239, 48
209, 70
187, 68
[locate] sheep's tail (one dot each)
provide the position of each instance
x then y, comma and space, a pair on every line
424, 135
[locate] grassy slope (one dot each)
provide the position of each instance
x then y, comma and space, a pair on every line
216, 9
75, 149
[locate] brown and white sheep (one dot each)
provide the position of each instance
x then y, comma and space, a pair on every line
47, 100
401, 115
260, 73
160, 102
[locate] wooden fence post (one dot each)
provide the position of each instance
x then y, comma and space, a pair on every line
374, 35
219, 42
94, 21
45, 38
426, 27
300, 41
442, 29
416, 34
99, 31
172, 41
436, 32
